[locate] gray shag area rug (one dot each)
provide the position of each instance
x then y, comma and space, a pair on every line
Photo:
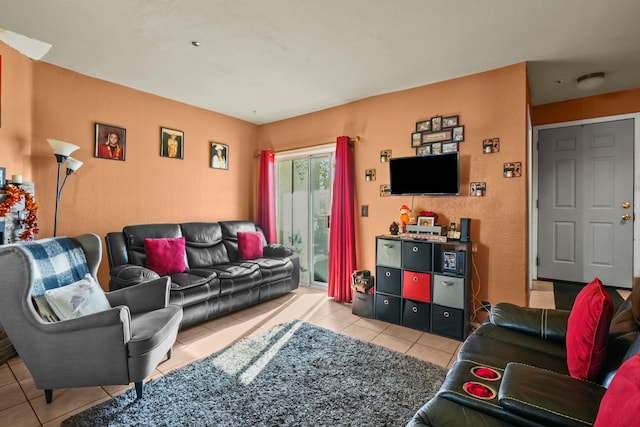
295, 374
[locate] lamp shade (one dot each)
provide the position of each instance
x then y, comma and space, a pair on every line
61, 148
73, 164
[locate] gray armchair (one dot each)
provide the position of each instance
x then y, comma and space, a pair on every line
117, 346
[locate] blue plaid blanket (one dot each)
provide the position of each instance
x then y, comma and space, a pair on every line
57, 262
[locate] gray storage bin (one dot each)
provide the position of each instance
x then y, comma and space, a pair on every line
389, 252
448, 291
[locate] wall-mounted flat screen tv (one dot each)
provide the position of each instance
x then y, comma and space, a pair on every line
432, 175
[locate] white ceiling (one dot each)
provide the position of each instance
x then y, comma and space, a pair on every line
266, 60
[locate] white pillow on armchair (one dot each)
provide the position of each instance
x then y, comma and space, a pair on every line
77, 299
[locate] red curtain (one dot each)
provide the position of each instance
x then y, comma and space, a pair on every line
342, 237
267, 196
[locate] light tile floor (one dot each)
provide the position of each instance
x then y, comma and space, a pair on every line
22, 405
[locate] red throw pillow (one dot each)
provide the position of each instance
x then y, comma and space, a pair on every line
587, 331
165, 255
620, 404
250, 244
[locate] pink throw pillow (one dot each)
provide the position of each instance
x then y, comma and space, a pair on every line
620, 404
165, 255
250, 244
587, 331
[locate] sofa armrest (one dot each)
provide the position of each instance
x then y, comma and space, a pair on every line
544, 323
123, 276
275, 250
143, 297
551, 398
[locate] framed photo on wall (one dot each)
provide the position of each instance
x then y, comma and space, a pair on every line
171, 143
3, 177
219, 155
110, 142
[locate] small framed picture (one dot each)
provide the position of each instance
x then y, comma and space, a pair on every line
423, 126
110, 142
440, 136
458, 133
416, 139
370, 175
426, 221
449, 261
448, 147
385, 190
490, 145
3, 177
171, 143
219, 156
436, 148
436, 123
385, 155
423, 150
478, 189
450, 121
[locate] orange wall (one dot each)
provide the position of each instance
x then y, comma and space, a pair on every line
490, 104
105, 195
43, 101
610, 104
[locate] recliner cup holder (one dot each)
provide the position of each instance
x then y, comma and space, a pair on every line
479, 390
485, 373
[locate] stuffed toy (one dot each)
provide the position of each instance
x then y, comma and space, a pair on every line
405, 217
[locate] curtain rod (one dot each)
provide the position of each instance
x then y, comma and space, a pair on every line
351, 141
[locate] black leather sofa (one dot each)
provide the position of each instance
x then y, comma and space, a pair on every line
216, 281
530, 384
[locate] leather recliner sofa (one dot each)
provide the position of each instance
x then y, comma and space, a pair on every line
216, 281
515, 366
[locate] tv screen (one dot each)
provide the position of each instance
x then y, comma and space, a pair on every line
436, 174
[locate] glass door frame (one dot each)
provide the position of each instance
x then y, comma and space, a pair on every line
309, 154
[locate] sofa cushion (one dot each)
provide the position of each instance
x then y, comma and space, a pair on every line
620, 404
165, 255
273, 269
249, 245
238, 276
587, 331
77, 299
135, 234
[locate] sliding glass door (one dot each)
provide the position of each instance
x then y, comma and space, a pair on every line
303, 207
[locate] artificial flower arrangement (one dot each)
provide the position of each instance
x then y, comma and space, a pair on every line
13, 195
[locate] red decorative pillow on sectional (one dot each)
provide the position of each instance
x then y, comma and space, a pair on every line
620, 404
165, 255
587, 331
250, 244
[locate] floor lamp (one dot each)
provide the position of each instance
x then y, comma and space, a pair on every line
62, 150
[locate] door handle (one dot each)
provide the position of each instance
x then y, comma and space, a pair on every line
626, 205
626, 217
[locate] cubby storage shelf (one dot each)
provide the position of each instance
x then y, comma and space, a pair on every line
424, 285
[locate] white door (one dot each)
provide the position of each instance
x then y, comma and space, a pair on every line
585, 202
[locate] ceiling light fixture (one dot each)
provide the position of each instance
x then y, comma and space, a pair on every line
195, 43
590, 81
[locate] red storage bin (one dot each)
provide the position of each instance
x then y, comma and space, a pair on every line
416, 286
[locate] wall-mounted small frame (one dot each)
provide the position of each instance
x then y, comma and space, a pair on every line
442, 136
450, 121
385, 155
448, 147
478, 189
423, 150
436, 148
436, 123
416, 139
490, 145
3, 177
370, 175
385, 190
171, 143
423, 126
110, 142
458, 133
219, 155
512, 170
